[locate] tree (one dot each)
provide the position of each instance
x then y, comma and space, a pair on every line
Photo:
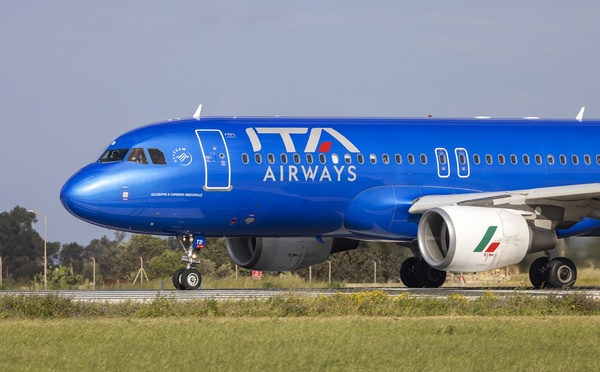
216, 252
164, 265
74, 255
61, 277
145, 246
105, 251
21, 247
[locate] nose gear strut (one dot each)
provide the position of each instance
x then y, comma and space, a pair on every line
189, 277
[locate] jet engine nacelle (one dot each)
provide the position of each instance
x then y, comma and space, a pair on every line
283, 254
456, 238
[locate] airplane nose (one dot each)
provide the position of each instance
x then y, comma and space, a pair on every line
80, 196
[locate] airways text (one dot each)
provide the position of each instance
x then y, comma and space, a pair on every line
293, 173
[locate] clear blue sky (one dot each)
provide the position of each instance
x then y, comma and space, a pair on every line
76, 74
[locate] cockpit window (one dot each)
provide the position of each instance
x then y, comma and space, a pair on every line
138, 156
157, 156
112, 155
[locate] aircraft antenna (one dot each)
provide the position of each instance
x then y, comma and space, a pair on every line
197, 113
579, 116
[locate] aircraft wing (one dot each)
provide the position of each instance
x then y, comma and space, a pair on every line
557, 204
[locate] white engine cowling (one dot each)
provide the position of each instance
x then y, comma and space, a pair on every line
283, 254
462, 238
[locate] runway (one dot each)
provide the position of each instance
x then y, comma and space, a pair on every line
263, 294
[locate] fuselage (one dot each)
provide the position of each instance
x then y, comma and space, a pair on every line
323, 177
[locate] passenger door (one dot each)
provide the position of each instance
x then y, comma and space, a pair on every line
217, 167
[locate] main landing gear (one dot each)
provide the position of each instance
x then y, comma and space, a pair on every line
559, 272
189, 277
544, 272
416, 273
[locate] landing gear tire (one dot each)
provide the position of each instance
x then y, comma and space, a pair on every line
177, 279
427, 276
562, 272
407, 273
538, 272
191, 279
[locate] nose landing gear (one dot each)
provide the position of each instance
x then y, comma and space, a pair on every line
189, 277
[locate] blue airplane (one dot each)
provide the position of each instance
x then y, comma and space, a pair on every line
464, 195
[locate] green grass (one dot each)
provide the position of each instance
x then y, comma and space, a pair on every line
302, 343
360, 331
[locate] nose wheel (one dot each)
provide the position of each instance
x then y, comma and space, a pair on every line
189, 278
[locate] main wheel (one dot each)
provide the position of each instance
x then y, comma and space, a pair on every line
191, 279
177, 278
427, 276
538, 272
407, 273
561, 272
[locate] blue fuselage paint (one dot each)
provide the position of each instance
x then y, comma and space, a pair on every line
337, 177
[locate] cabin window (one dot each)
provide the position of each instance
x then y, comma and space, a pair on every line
488, 159
297, 158
360, 158
476, 159
563, 159
411, 159
257, 158
309, 158
587, 159
110, 156
271, 158
501, 159
284, 158
538, 159
513, 159
550, 159
335, 158
525, 159
385, 158
157, 156
138, 156
322, 158
245, 158
373, 159
398, 159
598, 159
424, 158
575, 159
347, 158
